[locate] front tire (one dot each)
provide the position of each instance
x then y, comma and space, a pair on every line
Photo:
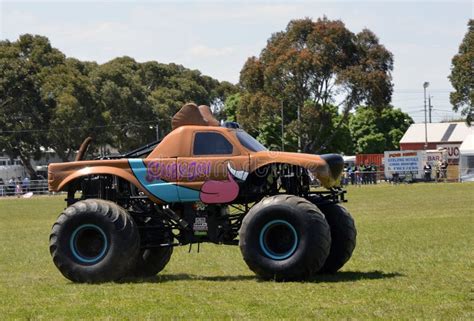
94, 241
285, 237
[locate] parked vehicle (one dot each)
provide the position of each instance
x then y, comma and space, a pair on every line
202, 183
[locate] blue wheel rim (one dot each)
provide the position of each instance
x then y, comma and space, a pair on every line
269, 228
73, 243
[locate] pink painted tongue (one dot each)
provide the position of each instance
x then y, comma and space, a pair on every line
219, 191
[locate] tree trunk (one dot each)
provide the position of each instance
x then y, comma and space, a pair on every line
344, 117
29, 168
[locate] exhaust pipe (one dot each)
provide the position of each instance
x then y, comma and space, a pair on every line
83, 149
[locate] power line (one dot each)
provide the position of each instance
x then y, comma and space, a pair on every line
418, 91
450, 110
74, 128
401, 100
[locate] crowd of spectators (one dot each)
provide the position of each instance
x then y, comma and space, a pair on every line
440, 168
360, 175
15, 186
365, 174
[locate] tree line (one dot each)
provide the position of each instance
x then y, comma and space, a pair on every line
48, 100
330, 88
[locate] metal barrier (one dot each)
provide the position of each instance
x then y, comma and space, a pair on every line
40, 187
37, 187
372, 177
363, 177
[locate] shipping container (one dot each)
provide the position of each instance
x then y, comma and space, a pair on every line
363, 159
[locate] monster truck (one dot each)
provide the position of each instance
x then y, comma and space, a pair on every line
204, 182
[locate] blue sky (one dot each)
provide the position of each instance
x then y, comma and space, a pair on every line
217, 37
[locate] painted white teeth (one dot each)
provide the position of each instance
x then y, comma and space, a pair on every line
242, 175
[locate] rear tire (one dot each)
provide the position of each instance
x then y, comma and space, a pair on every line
285, 237
343, 235
152, 259
94, 241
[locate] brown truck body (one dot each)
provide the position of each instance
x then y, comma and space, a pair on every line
174, 172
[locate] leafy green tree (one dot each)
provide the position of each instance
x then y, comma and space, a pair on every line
219, 95
314, 64
258, 113
74, 112
173, 85
50, 101
24, 115
229, 110
124, 103
372, 143
254, 109
321, 122
375, 131
462, 76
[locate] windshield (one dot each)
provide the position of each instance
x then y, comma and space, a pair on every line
249, 142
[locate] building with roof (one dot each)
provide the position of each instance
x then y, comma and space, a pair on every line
447, 136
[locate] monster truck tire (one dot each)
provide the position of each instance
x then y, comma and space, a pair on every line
151, 261
285, 237
343, 235
94, 241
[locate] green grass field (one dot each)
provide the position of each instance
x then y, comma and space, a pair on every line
414, 259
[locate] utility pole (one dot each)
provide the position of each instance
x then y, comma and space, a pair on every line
282, 128
157, 127
299, 128
429, 107
425, 85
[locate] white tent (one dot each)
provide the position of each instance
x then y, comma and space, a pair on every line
350, 160
466, 159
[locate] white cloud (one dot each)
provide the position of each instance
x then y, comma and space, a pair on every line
204, 51
217, 37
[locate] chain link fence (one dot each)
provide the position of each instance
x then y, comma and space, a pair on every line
377, 177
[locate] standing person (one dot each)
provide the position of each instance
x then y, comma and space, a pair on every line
345, 180
358, 176
363, 171
368, 176
427, 170
11, 186
352, 175
370, 173
2, 187
18, 190
374, 173
444, 170
26, 184
438, 170
396, 178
